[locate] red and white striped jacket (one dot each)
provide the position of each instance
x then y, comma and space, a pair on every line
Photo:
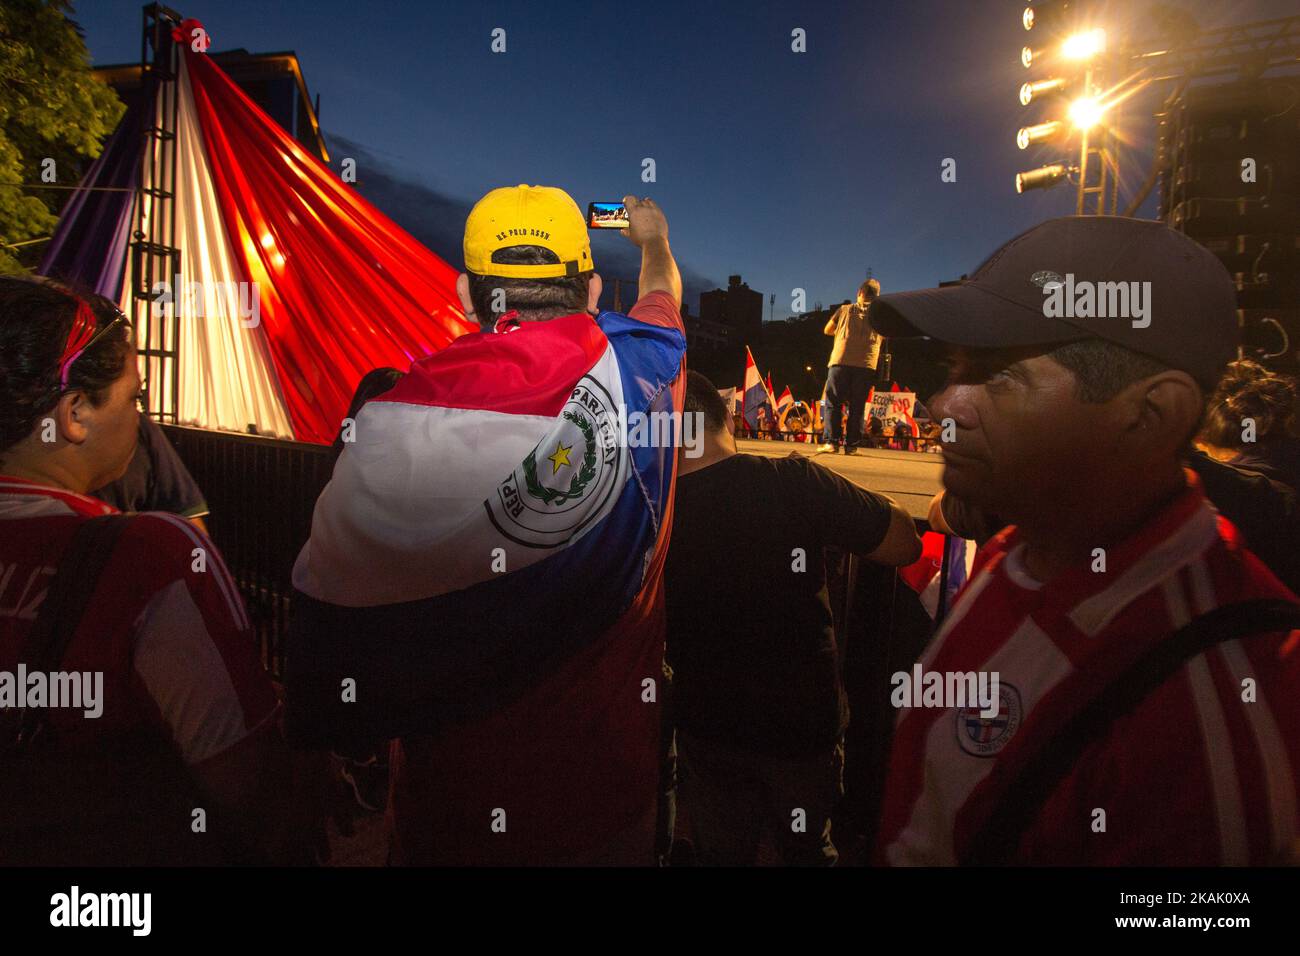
174, 643
1202, 772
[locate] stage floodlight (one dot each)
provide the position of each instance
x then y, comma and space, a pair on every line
1086, 112
1042, 178
1084, 45
1028, 55
1032, 91
1029, 135
1051, 17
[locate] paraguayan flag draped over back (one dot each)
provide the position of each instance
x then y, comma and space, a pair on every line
496, 514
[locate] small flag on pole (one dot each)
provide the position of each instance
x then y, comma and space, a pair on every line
784, 402
756, 395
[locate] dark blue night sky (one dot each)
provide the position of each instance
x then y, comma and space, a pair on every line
795, 170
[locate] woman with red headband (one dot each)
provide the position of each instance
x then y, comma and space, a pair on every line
136, 723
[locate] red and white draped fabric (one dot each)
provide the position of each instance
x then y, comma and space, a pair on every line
291, 285
227, 379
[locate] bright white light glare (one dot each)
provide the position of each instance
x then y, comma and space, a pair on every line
1026, 57
1086, 112
1027, 18
1083, 45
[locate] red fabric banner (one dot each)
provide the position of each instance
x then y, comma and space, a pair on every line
342, 288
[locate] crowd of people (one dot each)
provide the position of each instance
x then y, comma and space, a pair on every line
804, 423
554, 649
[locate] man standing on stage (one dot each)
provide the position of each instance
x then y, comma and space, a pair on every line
852, 367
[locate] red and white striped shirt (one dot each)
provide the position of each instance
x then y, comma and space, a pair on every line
1203, 771
173, 642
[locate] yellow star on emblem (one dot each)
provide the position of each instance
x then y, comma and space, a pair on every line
560, 457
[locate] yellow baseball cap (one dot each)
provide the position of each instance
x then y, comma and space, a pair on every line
527, 216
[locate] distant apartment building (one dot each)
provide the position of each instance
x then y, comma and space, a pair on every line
703, 334
737, 307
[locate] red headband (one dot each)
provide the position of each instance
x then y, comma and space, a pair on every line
83, 330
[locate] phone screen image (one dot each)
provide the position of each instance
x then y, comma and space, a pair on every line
607, 215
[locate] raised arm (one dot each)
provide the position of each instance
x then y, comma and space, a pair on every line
649, 232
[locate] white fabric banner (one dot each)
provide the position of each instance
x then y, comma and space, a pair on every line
227, 379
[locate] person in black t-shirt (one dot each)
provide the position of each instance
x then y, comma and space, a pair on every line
756, 698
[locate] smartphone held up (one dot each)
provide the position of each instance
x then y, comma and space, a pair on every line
607, 215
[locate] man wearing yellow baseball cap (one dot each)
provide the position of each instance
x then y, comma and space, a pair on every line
527, 250
487, 560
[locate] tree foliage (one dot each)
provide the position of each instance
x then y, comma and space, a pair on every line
51, 109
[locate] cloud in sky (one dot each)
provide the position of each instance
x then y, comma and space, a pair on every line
438, 220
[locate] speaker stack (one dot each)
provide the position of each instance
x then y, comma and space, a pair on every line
1230, 179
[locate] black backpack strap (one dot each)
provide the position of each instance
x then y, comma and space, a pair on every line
1041, 772
79, 570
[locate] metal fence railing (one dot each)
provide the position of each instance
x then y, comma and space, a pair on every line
261, 492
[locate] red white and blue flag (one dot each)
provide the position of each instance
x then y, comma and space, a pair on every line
490, 551
924, 577
756, 395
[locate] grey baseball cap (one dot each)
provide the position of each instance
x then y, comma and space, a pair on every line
1134, 282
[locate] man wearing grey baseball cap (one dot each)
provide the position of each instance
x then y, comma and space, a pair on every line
1144, 703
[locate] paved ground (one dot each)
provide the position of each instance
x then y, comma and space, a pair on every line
910, 478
